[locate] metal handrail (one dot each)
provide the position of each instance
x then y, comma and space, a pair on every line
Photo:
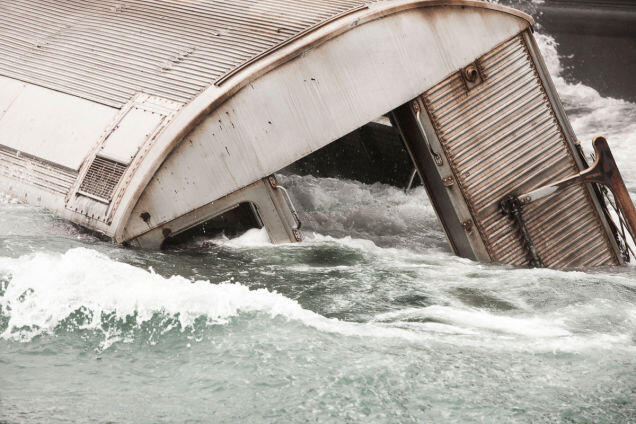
290, 204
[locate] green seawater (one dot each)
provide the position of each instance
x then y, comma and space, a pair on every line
335, 329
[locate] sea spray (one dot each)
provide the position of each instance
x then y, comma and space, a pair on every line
591, 114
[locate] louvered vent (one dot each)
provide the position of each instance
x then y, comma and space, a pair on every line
502, 136
102, 177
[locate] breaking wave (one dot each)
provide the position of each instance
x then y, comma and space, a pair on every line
85, 291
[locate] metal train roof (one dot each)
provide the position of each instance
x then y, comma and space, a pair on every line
107, 51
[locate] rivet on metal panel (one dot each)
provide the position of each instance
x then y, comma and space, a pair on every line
468, 225
448, 181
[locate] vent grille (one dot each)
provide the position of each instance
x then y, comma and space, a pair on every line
102, 177
501, 137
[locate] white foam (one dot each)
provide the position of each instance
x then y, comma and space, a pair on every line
254, 237
479, 319
8, 199
378, 212
592, 114
47, 288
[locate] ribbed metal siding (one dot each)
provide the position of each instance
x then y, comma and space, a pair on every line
502, 136
35, 172
107, 51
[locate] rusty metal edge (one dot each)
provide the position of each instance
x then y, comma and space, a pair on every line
471, 207
271, 50
429, 3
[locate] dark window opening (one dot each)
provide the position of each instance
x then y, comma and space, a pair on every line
231, 223
373, 153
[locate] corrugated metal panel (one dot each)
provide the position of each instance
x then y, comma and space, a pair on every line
107, 51
35, 172
502, 136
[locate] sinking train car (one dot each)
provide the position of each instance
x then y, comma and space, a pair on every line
143, 119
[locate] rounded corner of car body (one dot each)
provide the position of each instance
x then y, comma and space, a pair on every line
67, 115
309, 69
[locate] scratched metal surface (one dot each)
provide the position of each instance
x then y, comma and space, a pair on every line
502, 136
107, 51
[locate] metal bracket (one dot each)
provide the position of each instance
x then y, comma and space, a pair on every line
297, 227
603, 171
512, 207
472, 75
436, 156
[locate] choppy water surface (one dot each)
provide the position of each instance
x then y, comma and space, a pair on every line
371, 319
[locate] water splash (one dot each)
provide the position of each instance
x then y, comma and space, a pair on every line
592, 114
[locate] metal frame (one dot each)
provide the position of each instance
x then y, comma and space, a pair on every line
213, 97
421, 142
275, 212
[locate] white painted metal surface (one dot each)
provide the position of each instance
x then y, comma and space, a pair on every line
131, 132
53, 126
315, 99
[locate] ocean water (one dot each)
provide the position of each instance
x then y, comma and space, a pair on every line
370, 320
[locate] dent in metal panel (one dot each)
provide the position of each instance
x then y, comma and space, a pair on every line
502, 136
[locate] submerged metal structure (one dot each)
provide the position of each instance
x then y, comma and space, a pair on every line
142, 119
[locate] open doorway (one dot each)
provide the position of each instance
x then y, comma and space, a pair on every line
359, 186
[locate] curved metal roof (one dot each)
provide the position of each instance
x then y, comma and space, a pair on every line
109, 50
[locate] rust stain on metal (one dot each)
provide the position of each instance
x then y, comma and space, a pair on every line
502, 136
467, 225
